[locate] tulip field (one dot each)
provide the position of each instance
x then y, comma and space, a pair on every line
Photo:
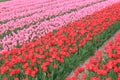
49, 39
104, 66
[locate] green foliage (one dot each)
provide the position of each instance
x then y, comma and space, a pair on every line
3, 0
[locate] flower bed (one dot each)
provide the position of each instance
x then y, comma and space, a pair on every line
37, 31
48, 57
32, 17
105, 65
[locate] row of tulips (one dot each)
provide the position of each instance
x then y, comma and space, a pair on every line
105, 65
37, 8
37, 31
41, 15
29, 10
14, 5
48, 57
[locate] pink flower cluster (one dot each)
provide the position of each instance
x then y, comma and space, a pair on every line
18, 19
36, 31
25, 10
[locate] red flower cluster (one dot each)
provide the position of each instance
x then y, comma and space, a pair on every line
113, 54
14, 72
59, 45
